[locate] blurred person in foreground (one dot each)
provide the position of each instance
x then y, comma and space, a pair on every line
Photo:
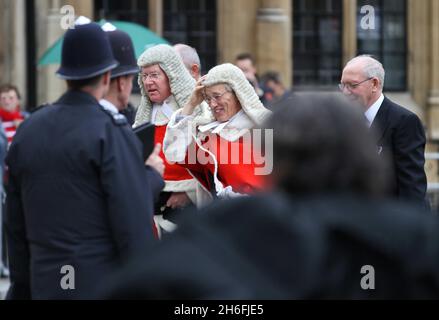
310, 239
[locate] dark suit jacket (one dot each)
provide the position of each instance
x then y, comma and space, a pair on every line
400, 137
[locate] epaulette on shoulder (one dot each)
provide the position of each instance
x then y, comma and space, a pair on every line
118, 119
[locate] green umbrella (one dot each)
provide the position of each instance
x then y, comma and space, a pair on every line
141, 36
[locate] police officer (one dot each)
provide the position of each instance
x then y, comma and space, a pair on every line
117, 97
80, 199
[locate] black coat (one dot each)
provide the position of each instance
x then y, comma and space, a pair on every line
79, 195
400, 137
276, 247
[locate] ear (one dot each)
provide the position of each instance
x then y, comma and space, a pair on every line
376, 84
106, 78
120, 83
195, 70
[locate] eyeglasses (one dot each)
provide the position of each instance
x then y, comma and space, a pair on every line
351, 86
215, 97
152, 76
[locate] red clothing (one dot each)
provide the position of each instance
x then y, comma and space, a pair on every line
240, 176
9, 125
173, 172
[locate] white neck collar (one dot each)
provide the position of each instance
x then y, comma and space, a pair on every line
373, 110
232, 129
107, 105
167, 107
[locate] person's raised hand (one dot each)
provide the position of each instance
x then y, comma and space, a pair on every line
196, 98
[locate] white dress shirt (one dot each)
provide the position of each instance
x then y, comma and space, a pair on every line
373, 110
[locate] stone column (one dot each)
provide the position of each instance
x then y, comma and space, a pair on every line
4, 12
155, 19
82, 7
433, 94
13, 45
349, 30
274, 38
18, 74
424, 72
236, 28
419, 68
50, 87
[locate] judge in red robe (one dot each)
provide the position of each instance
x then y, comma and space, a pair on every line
166, 86
221, 148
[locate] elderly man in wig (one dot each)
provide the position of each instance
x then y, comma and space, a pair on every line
210, 145
166, 86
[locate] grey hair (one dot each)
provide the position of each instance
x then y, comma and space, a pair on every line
373, 68
188, 54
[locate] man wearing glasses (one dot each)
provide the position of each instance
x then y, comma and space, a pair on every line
166, 86
400, 136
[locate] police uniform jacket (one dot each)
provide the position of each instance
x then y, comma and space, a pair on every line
80, 199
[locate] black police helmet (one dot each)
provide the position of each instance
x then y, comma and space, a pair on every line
86, 53
123, 51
